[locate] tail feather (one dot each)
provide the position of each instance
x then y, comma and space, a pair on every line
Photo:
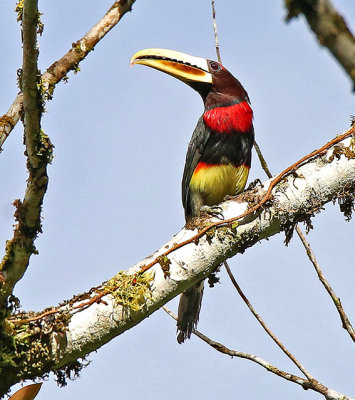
189, 311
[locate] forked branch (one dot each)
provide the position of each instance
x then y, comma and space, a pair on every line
70, 61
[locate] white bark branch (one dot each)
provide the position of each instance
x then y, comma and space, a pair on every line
294, 198
97, 317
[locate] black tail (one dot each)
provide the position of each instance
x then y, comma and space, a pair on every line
189, 311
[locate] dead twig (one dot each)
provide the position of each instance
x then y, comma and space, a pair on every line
336, 300
305, 384
215, 32
266, 328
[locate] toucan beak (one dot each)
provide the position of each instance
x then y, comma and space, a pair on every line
188, 69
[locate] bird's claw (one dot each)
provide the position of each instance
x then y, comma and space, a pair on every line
213, 211
254, 184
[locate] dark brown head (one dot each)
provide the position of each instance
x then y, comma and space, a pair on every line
216, 85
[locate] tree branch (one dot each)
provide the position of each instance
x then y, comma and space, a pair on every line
86, 322
215, 32
306, 384
336, 300
39, 153
70, 61
266, 328
330, 28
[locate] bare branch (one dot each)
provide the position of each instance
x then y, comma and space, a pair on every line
328, 393
262, 160
215, 32
32, 102
233, 353
70, 61
265, 327
336, 300
38, 151
330, 28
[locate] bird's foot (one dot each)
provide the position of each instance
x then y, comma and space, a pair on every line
213, 211
254, 184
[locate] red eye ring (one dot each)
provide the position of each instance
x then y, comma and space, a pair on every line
214, 65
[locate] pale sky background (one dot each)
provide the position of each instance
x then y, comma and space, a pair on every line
120, 137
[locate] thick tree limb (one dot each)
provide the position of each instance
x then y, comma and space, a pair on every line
70, 61
330, 28
87, 322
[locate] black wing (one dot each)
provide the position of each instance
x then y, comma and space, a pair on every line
196, 146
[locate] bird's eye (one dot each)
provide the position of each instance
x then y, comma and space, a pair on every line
214, 66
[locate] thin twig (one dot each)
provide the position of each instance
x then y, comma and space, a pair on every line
215, 32
233, 353
327, 393
265, 327
336, 300
58, 70
262, 160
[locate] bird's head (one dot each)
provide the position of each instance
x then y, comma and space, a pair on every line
216, 85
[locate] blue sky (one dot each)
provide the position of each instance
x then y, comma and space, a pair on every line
120, 137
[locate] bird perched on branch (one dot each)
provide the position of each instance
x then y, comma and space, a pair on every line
219, 154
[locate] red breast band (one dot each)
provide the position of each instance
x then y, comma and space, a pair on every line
237, 117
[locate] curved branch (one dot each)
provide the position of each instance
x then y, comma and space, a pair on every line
330, 28
58, 70
306, 384
88, 321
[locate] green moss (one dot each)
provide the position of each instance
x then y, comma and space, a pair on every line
165, 265
19, 10
5, 121
45, 150
25, 348
210, 234
130, 291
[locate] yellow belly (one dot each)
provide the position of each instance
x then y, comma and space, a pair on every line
214, 182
